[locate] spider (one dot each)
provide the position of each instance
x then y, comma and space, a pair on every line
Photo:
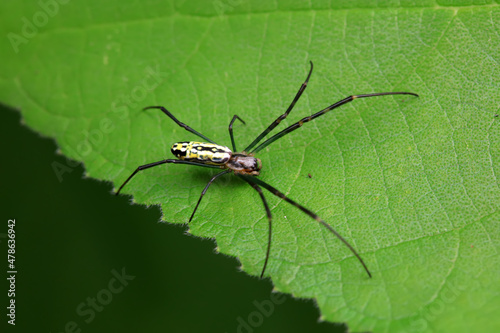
209, 154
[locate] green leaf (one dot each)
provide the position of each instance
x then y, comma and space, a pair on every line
411, 183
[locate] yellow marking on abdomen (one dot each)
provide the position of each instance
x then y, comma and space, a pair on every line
202, 152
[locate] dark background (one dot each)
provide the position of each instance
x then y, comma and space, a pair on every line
71, 235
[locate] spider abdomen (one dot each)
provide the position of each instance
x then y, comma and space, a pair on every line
202, 152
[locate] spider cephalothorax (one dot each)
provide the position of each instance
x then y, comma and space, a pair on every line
244, 164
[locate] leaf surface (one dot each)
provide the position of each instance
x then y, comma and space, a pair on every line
411, 183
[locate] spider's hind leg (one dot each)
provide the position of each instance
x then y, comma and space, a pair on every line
150, 165
181, 124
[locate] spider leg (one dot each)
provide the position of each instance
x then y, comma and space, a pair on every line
269, 218
150, 165
277, 193
298, 124
181, 124
231, 130
205, 190
284, 115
